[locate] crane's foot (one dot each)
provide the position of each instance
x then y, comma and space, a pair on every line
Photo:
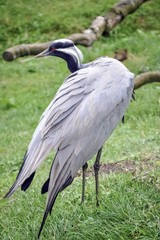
84, 169
96, 172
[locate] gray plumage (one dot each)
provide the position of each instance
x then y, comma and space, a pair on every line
84, 112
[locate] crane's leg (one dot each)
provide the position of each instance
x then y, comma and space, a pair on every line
84, 169
96, 171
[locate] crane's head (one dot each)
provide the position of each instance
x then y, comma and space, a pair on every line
64, 48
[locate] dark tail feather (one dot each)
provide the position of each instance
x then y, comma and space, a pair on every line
59, 178
27, 182
45, 187
42, 224
66, 184
133, 97
123, 119
24, 159
11, 190
50, 206
45, 217
9, 193
24, 186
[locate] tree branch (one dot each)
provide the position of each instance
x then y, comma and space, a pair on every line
145, 78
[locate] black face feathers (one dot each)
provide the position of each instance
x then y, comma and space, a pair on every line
61, 43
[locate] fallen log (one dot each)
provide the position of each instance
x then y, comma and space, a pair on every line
100, 25
24, 50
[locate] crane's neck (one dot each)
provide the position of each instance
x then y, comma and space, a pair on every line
72, 56
72, 63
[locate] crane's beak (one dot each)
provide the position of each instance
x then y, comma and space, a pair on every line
43, 54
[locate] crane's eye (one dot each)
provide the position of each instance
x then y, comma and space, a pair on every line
52, 49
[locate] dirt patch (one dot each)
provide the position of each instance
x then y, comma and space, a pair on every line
125, 166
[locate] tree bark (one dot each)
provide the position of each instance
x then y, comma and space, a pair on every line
145, 78
24, 50
100, 25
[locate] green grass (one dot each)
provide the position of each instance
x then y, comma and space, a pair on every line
129, 202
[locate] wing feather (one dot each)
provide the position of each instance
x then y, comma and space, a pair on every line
47, 135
